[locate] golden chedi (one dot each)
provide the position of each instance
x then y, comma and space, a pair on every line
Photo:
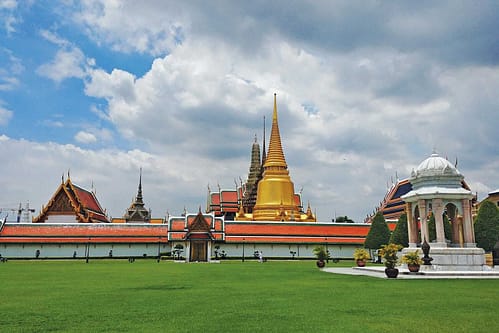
275, 199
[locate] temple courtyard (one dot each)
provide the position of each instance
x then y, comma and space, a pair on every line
114, 295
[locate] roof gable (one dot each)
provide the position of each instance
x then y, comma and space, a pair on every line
71, 199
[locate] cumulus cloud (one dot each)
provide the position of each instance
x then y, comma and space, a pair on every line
10, 70
7, 8
85, 137
129, 26
365, 91
114, 174
66, 64
5, 114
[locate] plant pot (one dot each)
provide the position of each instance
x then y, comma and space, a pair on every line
361, 262
391, 272
413, 268
320, 263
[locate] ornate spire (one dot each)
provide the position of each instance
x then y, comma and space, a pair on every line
254, 176
275, 195
275, 157
139, 199
137, 212
264, 152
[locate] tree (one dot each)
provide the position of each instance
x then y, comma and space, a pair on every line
400, 235
379, 234
487, 226
344, 219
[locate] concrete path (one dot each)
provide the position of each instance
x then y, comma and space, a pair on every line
379, 272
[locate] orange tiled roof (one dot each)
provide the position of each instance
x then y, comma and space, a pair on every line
229, 196
70, 199
76, 230
276, 232
88, 199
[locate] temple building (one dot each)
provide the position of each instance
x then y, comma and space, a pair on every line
262, 215
254, 176
275, 200
72, 203
137, 213
393, 206
268, 193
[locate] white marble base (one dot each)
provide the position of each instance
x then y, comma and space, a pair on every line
454, 259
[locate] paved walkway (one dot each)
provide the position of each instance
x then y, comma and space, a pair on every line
379, 272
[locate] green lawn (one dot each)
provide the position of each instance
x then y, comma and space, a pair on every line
293, 296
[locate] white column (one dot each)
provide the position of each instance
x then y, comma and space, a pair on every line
438, 210
469, 236
412, 229
424, 223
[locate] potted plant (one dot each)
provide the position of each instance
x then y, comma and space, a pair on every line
389, 253
413, 260
321, 255
361, 256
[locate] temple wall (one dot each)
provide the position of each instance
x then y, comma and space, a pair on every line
303, 251
28, 251
101, 250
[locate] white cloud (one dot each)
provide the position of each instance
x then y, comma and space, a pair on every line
66, 64
10, 71
170, 182
363, 118
5, 115
85, 137
7, 8
362, 94
131, 26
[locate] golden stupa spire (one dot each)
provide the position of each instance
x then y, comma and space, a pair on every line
275, 156
275, 197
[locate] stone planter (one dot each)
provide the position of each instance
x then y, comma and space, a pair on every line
413, 268
391, 272
361, 263
320, 263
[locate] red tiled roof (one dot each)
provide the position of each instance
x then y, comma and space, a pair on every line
87, 199
229, 196
296, 239
98, 233
79, 230
215, 198
177, 224
305, 229
297, 200
70, 198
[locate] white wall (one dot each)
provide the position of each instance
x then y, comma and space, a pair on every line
303, 251
67, 250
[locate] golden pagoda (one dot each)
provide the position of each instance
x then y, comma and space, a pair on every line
275, 199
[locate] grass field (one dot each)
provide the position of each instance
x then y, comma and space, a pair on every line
277, 296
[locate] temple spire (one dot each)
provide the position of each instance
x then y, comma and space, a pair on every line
264, 150
139, 198
137, 212
275, 157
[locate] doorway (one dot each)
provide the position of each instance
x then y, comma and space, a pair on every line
199, 250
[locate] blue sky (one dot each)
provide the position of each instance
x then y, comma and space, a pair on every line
366, 91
